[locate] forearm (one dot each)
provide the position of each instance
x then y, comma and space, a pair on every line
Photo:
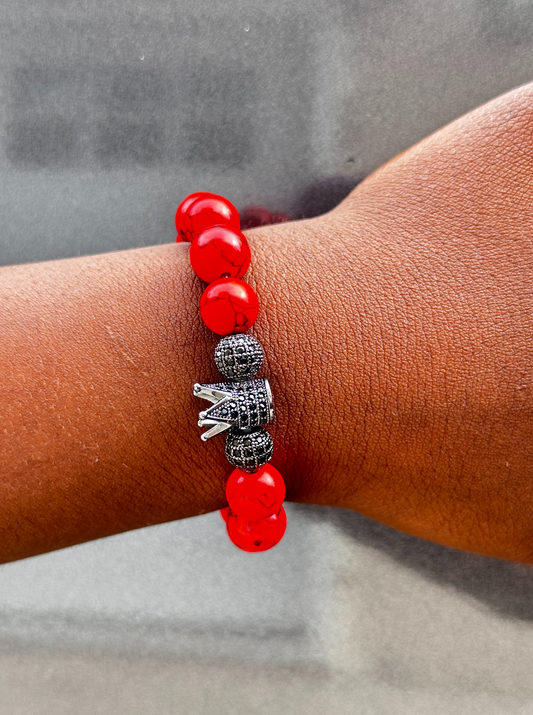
98, 435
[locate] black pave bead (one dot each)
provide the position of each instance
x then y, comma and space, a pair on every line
239, 357
249, 449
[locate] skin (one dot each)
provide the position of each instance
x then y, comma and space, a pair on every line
398, 333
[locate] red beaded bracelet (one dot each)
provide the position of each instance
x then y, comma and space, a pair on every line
220, 256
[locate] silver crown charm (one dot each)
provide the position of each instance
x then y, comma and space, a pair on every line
235, 405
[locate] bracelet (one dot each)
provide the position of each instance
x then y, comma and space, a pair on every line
220, 256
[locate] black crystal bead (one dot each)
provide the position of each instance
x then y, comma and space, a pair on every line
249, 449
239, 357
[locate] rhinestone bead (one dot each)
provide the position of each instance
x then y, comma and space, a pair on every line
249, 449
239, 357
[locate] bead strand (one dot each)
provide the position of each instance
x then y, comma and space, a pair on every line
220, 256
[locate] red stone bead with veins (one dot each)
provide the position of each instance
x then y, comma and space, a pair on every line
255, 496
224, 513
229, 306
206, 210
218, 252
256, 535
182, 209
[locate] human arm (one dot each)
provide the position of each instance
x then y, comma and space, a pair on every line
398, 333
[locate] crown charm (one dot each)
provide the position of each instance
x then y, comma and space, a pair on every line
239, 405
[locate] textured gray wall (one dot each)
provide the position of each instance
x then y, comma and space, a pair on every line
110, 113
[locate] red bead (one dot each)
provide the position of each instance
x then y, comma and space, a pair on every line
257, 535
255, 496
203, 212
278, 217
224, 513
218, 252
190, 199
229, 306
182, 209
253, 216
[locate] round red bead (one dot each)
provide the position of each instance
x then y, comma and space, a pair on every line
255, 496
203, 212
256, 535
224, 513
253, 216
229, 306
218, 252
278, 217
181, 211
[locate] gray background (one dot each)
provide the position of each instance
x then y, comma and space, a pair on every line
110, 113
